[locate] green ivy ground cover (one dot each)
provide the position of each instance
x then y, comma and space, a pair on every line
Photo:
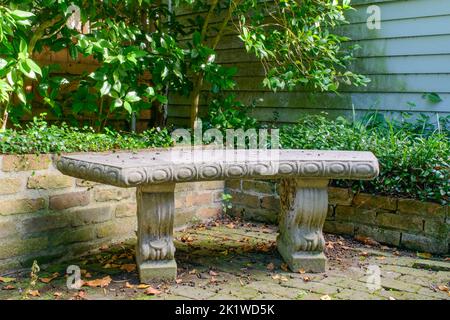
413, 164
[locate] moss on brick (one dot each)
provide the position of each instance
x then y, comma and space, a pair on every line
26, 162
19, 206
49, 181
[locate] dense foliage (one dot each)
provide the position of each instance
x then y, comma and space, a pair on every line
296, 43
144, 50
130, 40
413, 163
40, 137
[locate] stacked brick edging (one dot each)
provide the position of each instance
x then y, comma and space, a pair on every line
407, 223
47, 216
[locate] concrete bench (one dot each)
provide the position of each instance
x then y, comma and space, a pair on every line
304, 178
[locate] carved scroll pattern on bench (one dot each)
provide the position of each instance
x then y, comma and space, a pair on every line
304, 209
176, 172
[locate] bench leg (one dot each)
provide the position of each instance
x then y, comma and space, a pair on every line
304, 205
155, 249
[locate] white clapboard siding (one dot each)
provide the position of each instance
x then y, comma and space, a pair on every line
407, 57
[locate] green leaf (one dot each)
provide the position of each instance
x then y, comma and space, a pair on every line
21, 95
117, 86
150, 91
432, 97
33, 66
23, 47
3, 63
132, 97
165, 73
19, 14
127, 107
73, 51
117, 103
197, 38
26, 70
162, 99
105, 89
98, 76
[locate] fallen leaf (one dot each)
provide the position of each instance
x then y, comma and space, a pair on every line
278, 277
443, 288
33, 293
104, 247
330, 245
424, 255
213, 280
104, 282
143, 286
88, 275
241, 282
284, 267
152, 291
366, 240
447, 259
8, 287
270, 266
301, 271
128, 267
178, 281
7, 280
49, 279
396, 253
264, 247
128, 285
364, 254
111, 266
212, 273
230, 225
193, 271
80, 295
392, 298
186, 238
57, 295
306, 278
325, 297
381, 258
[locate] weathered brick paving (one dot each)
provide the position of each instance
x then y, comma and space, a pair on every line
228, 260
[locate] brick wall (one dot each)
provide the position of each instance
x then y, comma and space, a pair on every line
405, 223
47, 216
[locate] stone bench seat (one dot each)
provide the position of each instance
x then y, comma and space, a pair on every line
304, 178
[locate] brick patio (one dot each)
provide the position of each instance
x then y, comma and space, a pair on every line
232, 260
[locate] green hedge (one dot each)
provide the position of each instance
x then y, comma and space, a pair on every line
39, 137
412, 164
